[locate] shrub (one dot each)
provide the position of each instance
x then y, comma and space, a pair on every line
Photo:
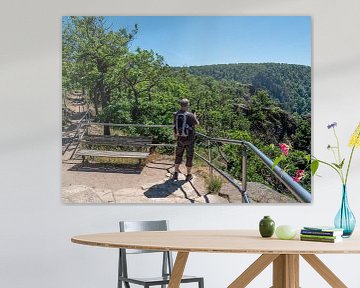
214, 184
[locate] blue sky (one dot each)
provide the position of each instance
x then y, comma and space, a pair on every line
202, 40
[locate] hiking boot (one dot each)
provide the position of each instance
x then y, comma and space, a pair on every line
175, 176
189, 177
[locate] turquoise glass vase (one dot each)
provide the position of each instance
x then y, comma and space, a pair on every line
345, 219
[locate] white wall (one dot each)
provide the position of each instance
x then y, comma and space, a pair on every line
35, 227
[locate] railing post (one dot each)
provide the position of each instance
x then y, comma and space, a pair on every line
244, 175
210, 158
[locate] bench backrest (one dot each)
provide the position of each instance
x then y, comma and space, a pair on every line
116, 140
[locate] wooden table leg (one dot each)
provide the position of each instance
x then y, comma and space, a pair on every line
286, 271
293, 264
178, 269
253, 270
324, 271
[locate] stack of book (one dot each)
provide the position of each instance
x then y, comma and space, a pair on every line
321, 234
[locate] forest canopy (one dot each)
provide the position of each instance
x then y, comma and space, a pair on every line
289, 84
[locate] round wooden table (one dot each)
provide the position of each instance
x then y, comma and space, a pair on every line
284, 254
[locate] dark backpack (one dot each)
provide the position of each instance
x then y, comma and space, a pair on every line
182, 128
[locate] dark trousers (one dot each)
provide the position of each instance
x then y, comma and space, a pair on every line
182, 145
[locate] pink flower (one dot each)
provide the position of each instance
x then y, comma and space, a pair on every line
299, 174
284, 148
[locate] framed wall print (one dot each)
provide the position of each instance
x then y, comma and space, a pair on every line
186, 109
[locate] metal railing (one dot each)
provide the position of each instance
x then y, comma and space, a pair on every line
131, 125
84, 119
300, 193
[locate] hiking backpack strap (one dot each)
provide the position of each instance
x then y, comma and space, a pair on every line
183, 130
184, 124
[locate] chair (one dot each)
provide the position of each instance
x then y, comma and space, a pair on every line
167, 262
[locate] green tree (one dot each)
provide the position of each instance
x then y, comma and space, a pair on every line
140, 72
90, 48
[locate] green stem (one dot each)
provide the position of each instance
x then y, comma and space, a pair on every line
333, 152
336, 169
339, 155
338, 145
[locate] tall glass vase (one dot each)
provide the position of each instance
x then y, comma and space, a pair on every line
345, 219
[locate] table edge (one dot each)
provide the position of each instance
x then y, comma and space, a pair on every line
203, 250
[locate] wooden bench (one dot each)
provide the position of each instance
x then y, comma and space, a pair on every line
88, 141
112, 154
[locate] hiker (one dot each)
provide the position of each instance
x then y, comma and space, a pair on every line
184, 132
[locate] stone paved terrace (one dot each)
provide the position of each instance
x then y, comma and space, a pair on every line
100, 183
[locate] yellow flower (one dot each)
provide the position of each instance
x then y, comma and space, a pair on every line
355, 138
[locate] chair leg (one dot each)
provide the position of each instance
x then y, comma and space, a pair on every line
201, 283
120, 273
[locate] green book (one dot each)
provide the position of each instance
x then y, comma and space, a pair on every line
319, 236
324, 229
325, 240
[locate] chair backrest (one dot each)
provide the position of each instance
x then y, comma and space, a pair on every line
134, 226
